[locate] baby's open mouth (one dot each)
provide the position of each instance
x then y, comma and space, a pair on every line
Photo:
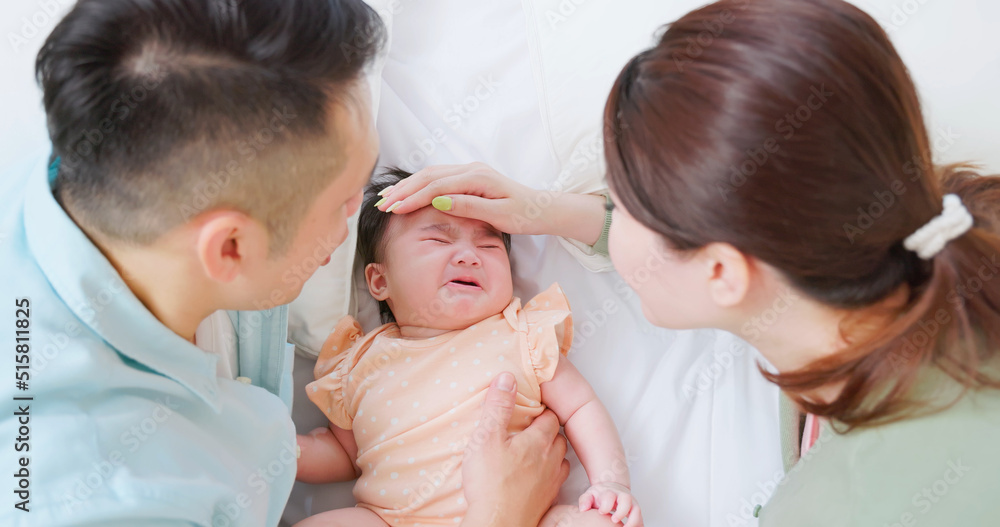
467, 282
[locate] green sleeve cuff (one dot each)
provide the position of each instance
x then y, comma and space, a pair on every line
601, 245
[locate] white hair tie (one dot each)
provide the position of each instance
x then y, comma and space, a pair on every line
953, 222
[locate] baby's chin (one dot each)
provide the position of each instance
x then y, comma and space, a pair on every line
462, 311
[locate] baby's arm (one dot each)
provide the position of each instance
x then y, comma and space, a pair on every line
594, 437
327, 455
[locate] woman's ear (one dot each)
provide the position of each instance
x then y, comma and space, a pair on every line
224, 241
378, 286
728, 272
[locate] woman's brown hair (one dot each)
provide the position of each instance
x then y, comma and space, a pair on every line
791, 130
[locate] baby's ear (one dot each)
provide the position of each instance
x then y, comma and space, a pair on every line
378, 286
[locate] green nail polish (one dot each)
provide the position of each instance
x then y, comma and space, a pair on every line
381, 201
441, 203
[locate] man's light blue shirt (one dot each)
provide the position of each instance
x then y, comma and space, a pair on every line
128, 424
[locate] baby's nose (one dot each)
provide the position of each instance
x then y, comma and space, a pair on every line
467, 256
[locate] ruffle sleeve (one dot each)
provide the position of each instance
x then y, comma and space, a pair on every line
549, 331
337, 358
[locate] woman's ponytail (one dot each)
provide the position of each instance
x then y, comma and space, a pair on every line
951, 322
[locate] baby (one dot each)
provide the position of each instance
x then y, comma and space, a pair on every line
404, 399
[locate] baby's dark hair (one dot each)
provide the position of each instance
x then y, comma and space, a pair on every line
373, 224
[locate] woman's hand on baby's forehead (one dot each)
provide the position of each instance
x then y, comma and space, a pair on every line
478, 192
473, 191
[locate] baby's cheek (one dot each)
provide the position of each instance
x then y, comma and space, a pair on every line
501, 296
504, 281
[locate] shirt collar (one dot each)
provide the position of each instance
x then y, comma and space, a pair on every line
90, 286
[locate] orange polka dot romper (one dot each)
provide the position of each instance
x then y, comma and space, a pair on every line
413, 404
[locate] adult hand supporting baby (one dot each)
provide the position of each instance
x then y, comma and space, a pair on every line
479, 192
511, 481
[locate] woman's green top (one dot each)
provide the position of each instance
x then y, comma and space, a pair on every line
941, 469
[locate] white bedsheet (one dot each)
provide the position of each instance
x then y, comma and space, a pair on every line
521, 87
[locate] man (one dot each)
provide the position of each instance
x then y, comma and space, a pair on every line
205, 156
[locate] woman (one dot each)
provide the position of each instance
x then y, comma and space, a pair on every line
775, 152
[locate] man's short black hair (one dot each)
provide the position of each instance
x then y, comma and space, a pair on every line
161, 109
373, 224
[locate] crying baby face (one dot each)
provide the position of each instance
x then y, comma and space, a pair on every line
440, 271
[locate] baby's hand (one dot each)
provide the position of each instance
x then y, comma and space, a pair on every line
608, 497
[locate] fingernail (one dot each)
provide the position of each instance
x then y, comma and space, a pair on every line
386, 190
379, 202
393, 206
506, 382
441, 203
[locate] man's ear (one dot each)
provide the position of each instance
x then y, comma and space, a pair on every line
224, 241
378, 286
728, 272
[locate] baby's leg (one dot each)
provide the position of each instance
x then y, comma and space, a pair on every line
570, 516
356, 517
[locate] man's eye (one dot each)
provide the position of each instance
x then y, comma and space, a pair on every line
489, 246
439, 240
